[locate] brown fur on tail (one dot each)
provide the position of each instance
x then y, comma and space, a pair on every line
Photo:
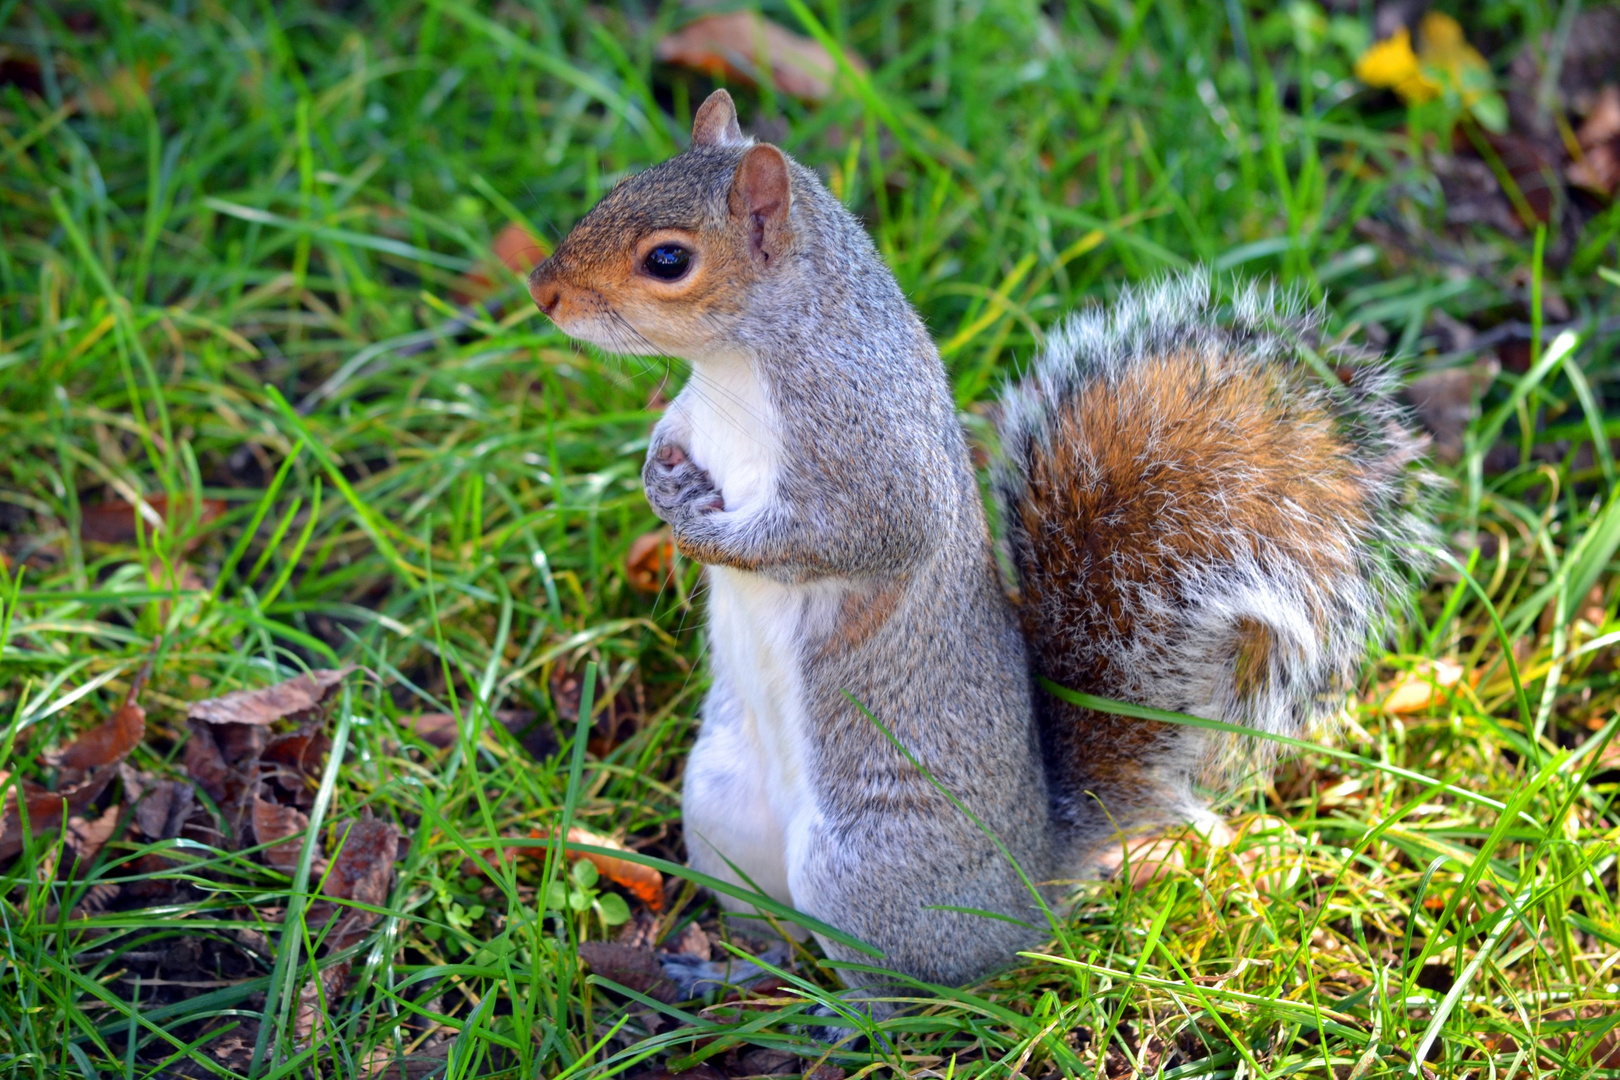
1200, 523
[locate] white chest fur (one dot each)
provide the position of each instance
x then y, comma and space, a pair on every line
728, 425
756, 627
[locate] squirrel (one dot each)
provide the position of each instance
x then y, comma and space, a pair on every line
1198, 519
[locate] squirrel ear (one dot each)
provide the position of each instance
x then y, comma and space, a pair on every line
716, 122
761, 196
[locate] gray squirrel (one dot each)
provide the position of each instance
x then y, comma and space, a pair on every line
1199, 522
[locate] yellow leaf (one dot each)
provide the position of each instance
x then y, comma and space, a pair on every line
1423, 686
1391, 63
1444, 52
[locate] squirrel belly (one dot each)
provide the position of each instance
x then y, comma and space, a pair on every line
1203, 515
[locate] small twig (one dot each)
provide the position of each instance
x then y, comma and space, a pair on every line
1522, 331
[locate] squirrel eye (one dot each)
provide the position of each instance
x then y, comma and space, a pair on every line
668, 261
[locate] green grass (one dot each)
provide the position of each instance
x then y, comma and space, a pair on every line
234, 241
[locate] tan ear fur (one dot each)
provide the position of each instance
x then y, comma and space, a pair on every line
716, 122
762, 196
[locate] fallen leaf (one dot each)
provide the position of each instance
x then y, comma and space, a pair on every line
649, 566
364, 863
265, 706
692, 941
163, 810
1423, 686
315, 1000
90, 835
273, 824
110, 741
701, 1071
747, 47
434, 728
300, 751
113, 522
515, 248
205, 764
766, 1061
361, 871
615, 718
518, 249
1598, 168
644, 882
1444, 402
427, 1062
47, 808
637, 969
240, 744
234, 1049
439, 729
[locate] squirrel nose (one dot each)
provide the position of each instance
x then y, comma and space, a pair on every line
544, 289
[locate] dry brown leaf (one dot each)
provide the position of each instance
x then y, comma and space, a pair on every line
205, 764
90, 835
110, 741
46, 808
692, 941
611, 721
273, 824
434, 728
364, 864
300, 751
637, 969
437, 729
1423, 686
314, 1000
747, 47
113, 522
1599, 137
1444, 403
99, 753
645, 883
265, 706
440, 729
650, 564
163, 810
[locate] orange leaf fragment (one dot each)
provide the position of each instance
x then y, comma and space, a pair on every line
1423, 686
114, 522
518, 249
749, 48
645, 883
650, 563
1599, 138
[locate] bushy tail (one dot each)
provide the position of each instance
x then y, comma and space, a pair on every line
1201, 521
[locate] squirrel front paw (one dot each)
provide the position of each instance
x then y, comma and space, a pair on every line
677, 489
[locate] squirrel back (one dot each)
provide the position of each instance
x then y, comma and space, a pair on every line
1200, 522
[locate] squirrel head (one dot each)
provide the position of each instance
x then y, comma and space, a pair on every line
665, 263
